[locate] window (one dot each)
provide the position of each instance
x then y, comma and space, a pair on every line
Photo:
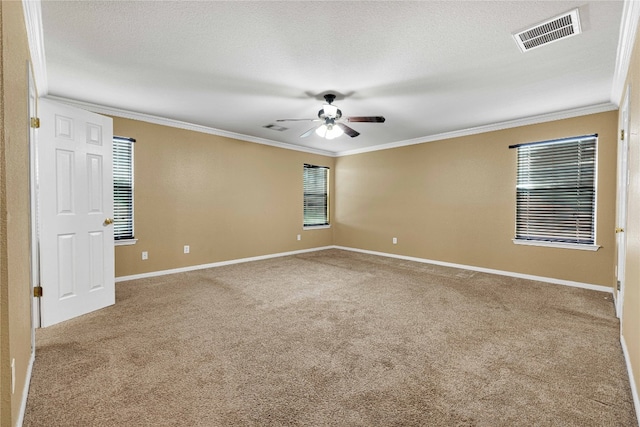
316, 196
556, 192
123, 188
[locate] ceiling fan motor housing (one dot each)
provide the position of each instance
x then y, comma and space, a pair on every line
323, 116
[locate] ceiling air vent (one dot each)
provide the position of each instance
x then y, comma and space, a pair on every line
554, 29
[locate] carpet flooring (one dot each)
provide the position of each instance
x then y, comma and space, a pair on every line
335, 338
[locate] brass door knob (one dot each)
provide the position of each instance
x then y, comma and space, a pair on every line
619, 230
108, 221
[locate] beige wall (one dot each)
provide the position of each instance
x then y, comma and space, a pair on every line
15, 310
450, 200
631, 308
454, 201
226, 199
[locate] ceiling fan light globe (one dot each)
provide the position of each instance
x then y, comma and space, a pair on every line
334, 132
321, 131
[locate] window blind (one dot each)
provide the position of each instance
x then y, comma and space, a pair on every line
316, 200
556, 191
122, 188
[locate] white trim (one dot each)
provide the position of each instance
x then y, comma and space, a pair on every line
634, 390
552, 280
542, 118
576, 112
35, 35
111, 111
626, 40
316, 227
622, 198
25, 391
125, 242
217, 264
556, 245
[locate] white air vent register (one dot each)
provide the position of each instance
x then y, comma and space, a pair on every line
554, 29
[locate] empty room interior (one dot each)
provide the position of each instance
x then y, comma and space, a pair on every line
319, 213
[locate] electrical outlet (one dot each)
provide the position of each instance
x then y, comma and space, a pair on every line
299, 237
145, 255
395, 240
186, 249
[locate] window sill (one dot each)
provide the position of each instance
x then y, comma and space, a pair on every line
315, 227
557, 245
126, 242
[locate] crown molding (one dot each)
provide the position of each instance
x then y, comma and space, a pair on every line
100, 109
33, 21
542, 118
626, 40
628, 29
566, 114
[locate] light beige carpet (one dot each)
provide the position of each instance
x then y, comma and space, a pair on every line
335, 338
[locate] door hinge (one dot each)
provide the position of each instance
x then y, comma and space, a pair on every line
35, 122
622, 134
37, 291
618, 285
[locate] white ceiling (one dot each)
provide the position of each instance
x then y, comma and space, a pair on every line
430, 67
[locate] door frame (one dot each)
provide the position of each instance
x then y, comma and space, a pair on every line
33, 211
622, 191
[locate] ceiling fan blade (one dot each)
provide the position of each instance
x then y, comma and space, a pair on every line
351, 132
367, 119
298, 120
309, 132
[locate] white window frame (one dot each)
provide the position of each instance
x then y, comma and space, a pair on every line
306, 197
560, 240
120, 167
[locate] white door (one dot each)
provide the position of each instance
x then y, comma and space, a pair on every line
75, 195
621, 208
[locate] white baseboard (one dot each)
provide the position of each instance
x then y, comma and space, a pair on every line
592, 287
25, 391
634, 390
216, 264
589, 286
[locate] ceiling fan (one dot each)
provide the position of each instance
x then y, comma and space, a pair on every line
330, 117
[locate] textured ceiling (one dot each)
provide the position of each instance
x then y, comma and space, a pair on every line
429, 67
